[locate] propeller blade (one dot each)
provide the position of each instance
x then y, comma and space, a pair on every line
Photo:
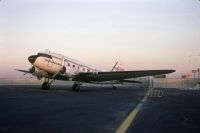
31, 70
25, 71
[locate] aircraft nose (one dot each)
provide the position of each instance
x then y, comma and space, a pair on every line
32, 58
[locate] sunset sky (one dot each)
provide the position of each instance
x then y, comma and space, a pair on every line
144, 34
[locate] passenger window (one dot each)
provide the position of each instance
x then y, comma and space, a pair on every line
68, 64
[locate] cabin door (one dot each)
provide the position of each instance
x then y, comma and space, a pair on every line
50, 62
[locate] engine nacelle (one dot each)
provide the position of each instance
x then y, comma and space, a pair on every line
39, 77
40, 74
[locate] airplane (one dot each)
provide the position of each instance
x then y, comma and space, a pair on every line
53, 66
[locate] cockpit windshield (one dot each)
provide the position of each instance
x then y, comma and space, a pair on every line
44, 55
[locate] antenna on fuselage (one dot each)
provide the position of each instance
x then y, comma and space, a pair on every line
118, 66
47, 50
114, 66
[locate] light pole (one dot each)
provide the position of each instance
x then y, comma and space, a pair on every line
198, 67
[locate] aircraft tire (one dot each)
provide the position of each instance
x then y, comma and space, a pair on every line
45, 86
114, 88
76, 87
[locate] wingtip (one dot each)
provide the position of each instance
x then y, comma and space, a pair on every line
172, 71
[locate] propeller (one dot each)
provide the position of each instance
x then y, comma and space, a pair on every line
31, 70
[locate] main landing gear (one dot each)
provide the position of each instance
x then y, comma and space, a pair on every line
114, 87
76, 86
46, 84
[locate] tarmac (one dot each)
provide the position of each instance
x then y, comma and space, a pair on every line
96, 109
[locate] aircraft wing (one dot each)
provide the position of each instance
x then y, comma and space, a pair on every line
118, 75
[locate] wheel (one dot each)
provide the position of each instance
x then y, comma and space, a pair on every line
45, 86
76, 87
73, 87
114, 88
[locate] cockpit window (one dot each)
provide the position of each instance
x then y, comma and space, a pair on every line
44, 55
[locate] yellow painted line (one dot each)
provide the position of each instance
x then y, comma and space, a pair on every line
127, 122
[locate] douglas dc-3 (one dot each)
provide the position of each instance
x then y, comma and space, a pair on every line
52, 66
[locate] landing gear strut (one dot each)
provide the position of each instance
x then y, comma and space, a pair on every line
46, 84
76, 86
